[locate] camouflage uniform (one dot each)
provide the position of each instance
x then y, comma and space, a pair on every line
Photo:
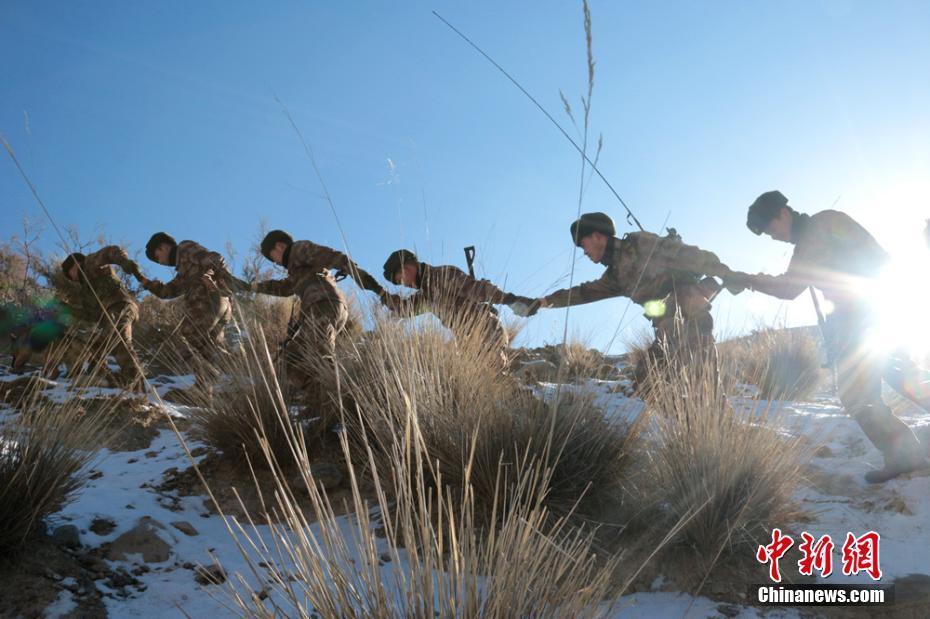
835, 254
323, 307
461, 303
206, 311
663, 275
103, 302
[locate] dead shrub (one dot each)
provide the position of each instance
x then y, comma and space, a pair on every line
477, 424
785, 364
248, 409
733, 470
45, 452
421, 548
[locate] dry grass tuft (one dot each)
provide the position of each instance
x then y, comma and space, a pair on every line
785, 364
247, 411
44, 454
422, 547
478, 426
733, 470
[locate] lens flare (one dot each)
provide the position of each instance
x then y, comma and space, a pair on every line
900, 300
654, 309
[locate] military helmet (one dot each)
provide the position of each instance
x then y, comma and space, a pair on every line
273, 238
158, 239
592, 222
71, 260
396, 260
764, 210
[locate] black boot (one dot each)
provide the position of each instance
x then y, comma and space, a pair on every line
902, 451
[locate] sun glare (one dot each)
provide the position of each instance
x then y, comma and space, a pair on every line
901, 300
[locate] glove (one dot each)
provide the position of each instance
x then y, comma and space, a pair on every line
524, 307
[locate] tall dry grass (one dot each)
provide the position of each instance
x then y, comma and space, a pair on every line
478, 426
241, 415
785, 364
418, 541
45, 451
733, 470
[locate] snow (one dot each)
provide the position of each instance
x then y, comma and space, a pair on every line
63, 605
836, 495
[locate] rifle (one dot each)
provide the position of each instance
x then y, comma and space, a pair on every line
827, 343
470, 259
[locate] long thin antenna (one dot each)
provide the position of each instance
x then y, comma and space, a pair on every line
631, 218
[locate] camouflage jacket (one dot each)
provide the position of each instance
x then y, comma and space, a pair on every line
308, 274
831, 252
450, 294
100, 281
644, 267
193, 261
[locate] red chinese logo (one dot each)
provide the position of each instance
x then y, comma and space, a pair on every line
773, 552
817, 555
860, 554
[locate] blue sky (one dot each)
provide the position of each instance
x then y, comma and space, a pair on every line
140, 117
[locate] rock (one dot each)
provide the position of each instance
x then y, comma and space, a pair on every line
537, 370
185, 527
326, 474
143, 539
196, 452
210, 575
52, 575
67, 535
102, 526
729, 610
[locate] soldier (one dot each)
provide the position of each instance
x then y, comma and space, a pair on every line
206, 285
662, 274
460, 302
104, 304
835, 254
323, 307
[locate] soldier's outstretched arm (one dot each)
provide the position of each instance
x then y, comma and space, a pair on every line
170, 290
788, 285
603, 288
335, 259
274, 287
113, 254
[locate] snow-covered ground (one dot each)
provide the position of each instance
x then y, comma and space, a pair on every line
124, 489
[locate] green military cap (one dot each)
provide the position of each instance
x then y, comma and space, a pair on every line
592, 222
396, 260
764, 210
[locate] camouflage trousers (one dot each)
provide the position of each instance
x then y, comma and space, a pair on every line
684, 334
860, 371
203, 329
310, 354
93, 343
